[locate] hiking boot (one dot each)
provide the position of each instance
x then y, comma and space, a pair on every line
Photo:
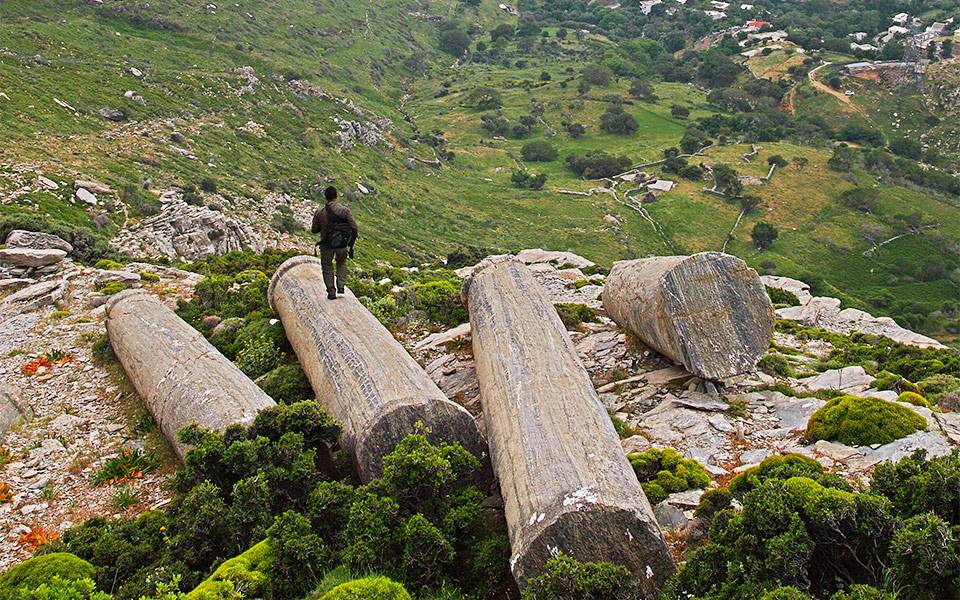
340, 291
331, 295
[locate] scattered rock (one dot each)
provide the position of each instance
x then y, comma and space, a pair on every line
112, 114
12, 407
850, 380
15, 283
48, 184
31, 257
211, 321
670, 517
19, 238
37, 295
86, 196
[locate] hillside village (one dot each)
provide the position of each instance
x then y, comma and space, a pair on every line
651, 300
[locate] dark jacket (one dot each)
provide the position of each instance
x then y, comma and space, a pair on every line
322, 221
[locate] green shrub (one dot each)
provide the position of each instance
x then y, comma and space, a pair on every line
108, 265
784, 467
114, 287
149, 277
570, 579
664, 472
34, 572
925, 555
426, 553
856, 421
782, 298
573, 314
775, 364
885, 380
785, 593
864, 592
300, 556
438, 301
712, 502
622, 428
259, 356
914, 399
916, 485
538, 151
58, 588
245, 573
368, 588
935, 387
286, 384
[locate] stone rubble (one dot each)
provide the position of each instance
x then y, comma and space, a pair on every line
81, 415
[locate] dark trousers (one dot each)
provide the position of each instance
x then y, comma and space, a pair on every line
326, 262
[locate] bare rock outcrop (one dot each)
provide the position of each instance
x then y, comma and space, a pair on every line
19, 238
182, 230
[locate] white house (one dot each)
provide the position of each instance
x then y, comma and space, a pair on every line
716, 15
901, 19
720, 5
859, 36
864, 47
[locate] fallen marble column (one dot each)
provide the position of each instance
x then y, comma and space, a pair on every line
12, 408
179, 375
566, 483
708, 311
363, 375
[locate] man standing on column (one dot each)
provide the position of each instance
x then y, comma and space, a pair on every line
338, 232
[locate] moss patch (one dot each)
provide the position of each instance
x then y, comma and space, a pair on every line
245, 572
856, 421
39, 570
368, 588
914, 399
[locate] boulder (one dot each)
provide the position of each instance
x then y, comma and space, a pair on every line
31, 257
19, 238
850, 380
538, 255
86, 196
127, 278
112, 114
91, 186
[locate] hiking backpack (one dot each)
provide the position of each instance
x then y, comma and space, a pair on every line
340, 232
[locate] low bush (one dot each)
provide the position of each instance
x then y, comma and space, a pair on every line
597, 164
438, 302
781, 298
775, 364
885, 380
39, 570
114, 287
526, 180
784, 467
664, 472
936, 387
573, 314
368, 588
287, 384
856, 421
108, 265
570, 579
59, 588
913, 398
916, 485
259, 356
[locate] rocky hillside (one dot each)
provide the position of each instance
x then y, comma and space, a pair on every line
83, 445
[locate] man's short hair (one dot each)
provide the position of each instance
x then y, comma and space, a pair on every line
330, 193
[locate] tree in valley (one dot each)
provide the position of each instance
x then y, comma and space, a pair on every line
763, 235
